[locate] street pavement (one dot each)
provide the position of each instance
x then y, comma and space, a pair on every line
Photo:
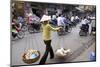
79, 46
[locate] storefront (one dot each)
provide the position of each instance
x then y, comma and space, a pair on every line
17, 8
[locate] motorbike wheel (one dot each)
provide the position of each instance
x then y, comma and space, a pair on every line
86, 33
12, 38
24, 28
59, 33
21, 34
30, 30
82, 33
70, 29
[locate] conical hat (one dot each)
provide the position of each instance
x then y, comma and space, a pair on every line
45, 18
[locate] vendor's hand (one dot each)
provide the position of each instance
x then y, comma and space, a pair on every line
60, 28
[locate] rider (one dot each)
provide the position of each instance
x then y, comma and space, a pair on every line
72, 19
20, 20
85, 24
54, 19
60, 22
15, 27
67, 22
34, 22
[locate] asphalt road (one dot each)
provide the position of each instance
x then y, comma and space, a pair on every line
73, 41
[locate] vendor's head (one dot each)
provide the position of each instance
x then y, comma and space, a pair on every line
45, 22
45, 19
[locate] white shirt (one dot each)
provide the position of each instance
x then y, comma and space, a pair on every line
76, 17
60, 21
53, 17
85, 21
72, 18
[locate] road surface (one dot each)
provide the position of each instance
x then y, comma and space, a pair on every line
73, 41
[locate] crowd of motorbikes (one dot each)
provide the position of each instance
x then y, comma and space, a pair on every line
18, 29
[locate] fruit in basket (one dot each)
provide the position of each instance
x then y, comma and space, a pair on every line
31, 56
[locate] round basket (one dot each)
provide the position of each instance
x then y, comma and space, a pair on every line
30, 61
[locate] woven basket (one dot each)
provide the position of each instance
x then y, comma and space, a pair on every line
30, 61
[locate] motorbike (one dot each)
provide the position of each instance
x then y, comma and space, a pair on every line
24, 27
84, 30
33, 28
65, 30
61, 31
68, 27
17, 32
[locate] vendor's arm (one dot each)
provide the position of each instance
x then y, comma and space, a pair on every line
52, 28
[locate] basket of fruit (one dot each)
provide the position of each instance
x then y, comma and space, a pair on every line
31, 56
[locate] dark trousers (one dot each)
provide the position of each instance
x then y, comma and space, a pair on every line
48, 49
14, 34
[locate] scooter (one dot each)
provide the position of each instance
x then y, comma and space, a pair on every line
65, 30
17, 32
61, 31
33, 28
84, 30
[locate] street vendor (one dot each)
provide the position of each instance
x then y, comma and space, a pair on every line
47, 28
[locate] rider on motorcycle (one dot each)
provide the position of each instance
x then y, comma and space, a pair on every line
15, 28
85, 25
60, 23
21, 21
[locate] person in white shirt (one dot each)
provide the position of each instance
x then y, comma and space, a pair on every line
85, 21
72, 18
60, 21
85, 24
76, 17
